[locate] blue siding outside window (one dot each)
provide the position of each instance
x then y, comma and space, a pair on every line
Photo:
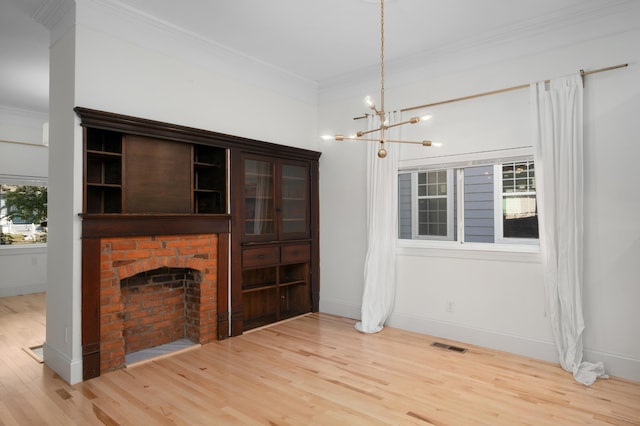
404, 205
479, 204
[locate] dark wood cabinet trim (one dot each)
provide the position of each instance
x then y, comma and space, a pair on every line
223, 286
144, 127
90, 308
129, 225
315, 236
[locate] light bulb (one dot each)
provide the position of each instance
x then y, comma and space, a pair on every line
426, 117
369, 101
327, 137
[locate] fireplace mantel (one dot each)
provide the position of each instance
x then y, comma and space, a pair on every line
133, 225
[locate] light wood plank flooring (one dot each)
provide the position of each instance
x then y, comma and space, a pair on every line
314, 369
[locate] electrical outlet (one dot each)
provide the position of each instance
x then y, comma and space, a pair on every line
450, 306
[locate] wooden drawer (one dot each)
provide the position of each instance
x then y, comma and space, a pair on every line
263, 256
295, 254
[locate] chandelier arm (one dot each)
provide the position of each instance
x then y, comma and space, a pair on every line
423, 143
402, 123
346, 138
366, 132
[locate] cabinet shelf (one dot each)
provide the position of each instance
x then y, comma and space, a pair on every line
285, 284
207, 165
251, 289
209, 179
104, 154
103, 171
103, 185
258, 175
257, 197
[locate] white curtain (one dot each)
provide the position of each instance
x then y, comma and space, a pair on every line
382, 218
558, 123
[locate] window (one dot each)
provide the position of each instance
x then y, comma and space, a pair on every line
434, 205
23, 214
472, 201
518, 217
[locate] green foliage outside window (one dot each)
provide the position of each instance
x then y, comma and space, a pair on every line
24, 204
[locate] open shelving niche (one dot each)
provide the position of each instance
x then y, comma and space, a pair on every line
274, 293
105, 174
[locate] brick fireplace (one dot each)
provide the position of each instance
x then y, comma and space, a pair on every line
146, 311
142, 288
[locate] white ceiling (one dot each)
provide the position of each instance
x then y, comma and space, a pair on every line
316, 40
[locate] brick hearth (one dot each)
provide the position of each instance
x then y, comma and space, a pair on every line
122, 258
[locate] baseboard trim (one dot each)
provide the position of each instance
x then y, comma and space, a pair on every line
340, 308
23, 289
70, 370
615, 365
514, 344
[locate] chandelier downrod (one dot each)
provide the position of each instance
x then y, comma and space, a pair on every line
383, 126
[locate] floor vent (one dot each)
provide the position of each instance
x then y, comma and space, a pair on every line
449, 347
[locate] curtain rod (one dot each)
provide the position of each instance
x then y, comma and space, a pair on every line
583, 73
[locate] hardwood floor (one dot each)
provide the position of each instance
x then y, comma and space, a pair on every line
314, 369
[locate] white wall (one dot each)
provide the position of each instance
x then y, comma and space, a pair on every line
499, 299
25, 127
23, 160
24, 270
62, 351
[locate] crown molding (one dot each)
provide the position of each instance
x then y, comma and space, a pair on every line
50, 12
23, 118
564, 28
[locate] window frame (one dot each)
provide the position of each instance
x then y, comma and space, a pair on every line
497, 215
507, 249
24, 181
415, 226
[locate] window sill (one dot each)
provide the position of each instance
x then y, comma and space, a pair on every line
478, 251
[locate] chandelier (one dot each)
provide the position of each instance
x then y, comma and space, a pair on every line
383, 127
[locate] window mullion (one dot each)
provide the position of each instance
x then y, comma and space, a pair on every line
460, 209
497, 202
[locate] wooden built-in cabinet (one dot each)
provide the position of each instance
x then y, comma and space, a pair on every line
276, 199
143, 177
129, 173
275, 271
275, 283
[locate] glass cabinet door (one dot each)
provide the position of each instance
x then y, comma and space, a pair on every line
259, 198
295, 200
